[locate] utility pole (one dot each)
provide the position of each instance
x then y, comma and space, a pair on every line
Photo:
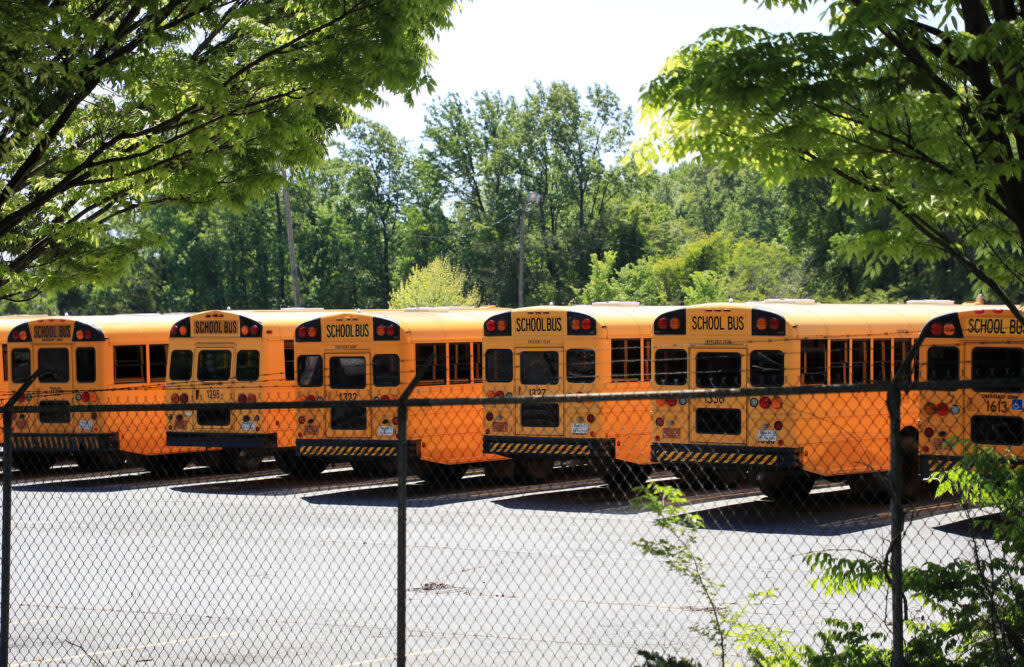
291, 239
531, 198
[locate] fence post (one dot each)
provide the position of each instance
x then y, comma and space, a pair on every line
896, 521
402, 500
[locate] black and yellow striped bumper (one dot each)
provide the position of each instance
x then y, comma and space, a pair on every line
64, 442
518, 446
933, 464
223, 440
724, 456
346, 450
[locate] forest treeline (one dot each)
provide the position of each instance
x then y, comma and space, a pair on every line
604, 228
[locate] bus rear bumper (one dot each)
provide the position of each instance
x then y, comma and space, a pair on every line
523, 446
346, 450
71, 443
934, 464
726, 456
222, 440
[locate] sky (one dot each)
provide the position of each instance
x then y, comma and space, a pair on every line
507, 45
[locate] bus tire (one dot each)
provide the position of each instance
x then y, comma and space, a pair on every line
534, 470
439, 474
227, 461
33, 462
381, 468
299, 466
785, 486
99, 461
500, 472
871, 488
165, 465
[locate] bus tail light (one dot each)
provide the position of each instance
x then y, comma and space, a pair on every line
180, 330
242, 398
954, 409
252, 398
183, 398
395, 421
302, 420
498, 325
942, 409
778, 426
590, 419
385, 329
174, 398
310, 397
929, 432
670, 402
659, 421
776, 403
580, 324
489, 416
929, 408
765, 402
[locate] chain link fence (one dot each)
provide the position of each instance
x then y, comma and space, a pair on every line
497, 530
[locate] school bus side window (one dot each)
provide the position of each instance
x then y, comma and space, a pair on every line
459, 363
626, 359
311, 370
54, 361
580, 365
347, 372
670, 367
181, 365
837, 374
385, 370
498, 365
85, 364
130, 363
883, 360
901, 348
434, 372
157, 362
812, 361
247, 366
767, 368
860, 358
943, 363
21, 365
478, 362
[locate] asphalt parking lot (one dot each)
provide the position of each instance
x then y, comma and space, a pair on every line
125, 569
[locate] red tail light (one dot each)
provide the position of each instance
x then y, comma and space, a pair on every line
301, 332
241, 398
929, 432
184, 397
659, 421
174, 398
670, 402
302, 420
765, 402
778, 426
489, 416
661, 323
942, 409
776, 403
590, 419
252, 398
490, 326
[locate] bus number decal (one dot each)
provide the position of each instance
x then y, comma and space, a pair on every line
714, 399
347, 330
536, 392
349, 396
213, 393
997, 406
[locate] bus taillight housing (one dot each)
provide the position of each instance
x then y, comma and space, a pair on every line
947, 326
386, 329
764, 323
498, 325
581, 325
19, 334
248, 328
181, 329
671, 323
309, 331
86, 333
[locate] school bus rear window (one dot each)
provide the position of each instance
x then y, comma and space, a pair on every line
85, 364
181, 365
943, 363
21, 365
247, 366
718, 369
347, 372
54, 362
538, 367
157, 362
767, 368
580, 365
670, 367
130, 363
998, 363
311, 370
385, 370
498, 365
213, 365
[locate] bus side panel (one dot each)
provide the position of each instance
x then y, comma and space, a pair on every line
842, 434
450, 434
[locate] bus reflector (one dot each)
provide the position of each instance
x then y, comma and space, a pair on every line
302, 420
659, 421
489, 416
776, 403
590, 419
778, 426
929, 432
929, 408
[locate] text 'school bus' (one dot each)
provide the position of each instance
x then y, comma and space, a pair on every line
783, 441
973, 342
105, 359
550, 350
231, 357
373, 355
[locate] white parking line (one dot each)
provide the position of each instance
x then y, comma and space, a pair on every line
393, 658
92, 654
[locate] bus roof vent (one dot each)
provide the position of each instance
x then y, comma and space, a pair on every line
300, 308
926, 302
615, 303
790, 301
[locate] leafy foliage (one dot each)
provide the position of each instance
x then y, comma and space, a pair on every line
436, 284
911, 106
113, 106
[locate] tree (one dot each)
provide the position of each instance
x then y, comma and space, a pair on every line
108, 107
915, 105
436, 284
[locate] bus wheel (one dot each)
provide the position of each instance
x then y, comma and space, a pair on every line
99, 461
622, 476
871, 488
382, 468
785, 486
298, 466
228, 461
166, 465
698, 478
534, 470
439, 474
33, 462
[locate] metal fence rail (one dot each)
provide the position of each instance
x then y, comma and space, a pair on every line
403, 547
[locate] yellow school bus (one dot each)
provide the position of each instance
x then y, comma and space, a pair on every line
782, 441
229, 358
971, 342
374, 355
549, 350
104, 359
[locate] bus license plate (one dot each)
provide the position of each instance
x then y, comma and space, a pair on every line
580, 428
767, 435
385, 429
